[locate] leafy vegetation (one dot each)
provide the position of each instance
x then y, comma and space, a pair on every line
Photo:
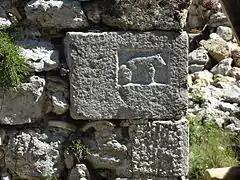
13, 68
197, 96
77, 150
210, 147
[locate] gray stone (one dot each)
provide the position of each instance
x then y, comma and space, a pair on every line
4, 22
40, 55
108, 148
198, 56
218, 19
203, 75
79, 172
222, 67
234, 72
225, 33
157, 60
195, 68
56, 84
35, 153
236, 56
143, 15
56, 14
159, 149
232, 94
197, 15
2, 136
59, 102
24, 103
217, 48
227, 107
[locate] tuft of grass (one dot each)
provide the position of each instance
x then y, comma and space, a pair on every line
210, 147
13, 67
197, 96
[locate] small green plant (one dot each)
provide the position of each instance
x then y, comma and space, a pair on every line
13, 68
209, 148
52, 178
77, 150
197, 96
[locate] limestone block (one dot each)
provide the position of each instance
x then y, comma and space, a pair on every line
56, 14
4, 22
159, 149
217, 48
219, 19
59, 102
225, 32
236, 56
222, 67
195, 68
40, 55
118, 75
108, 148
24, 103
79, 172
198, 56
35, 153
143, 15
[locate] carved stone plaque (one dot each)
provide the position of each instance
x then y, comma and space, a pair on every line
118, 75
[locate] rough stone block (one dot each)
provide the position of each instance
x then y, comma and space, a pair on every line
24, 103
141, 14
117, 75
159, 149
56, 14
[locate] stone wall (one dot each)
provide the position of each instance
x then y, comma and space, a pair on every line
108, 95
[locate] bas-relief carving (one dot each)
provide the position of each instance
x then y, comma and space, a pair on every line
144, 68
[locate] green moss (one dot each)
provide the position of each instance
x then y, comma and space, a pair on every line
13, 68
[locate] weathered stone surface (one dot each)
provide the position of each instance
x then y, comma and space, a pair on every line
99, 61
198, 56
198, 60
225, 32
222, 67
35, 153
2, 136
195, 68
59, 102
109, 149
197, 15
236, 56
143, 15
217, 48
79, 172
4, 22
160, 149
219, 19
234, 72
56, 14
24, 103
40, 55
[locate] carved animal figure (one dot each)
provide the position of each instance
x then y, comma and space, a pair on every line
124, 75
144, 68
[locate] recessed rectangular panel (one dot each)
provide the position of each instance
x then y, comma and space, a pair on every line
143, 66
